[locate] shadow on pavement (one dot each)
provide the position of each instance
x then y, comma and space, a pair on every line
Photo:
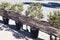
18, 34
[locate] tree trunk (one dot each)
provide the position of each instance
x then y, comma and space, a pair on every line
5, 20
34, 33
18, 25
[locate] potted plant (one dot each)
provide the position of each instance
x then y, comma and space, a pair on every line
54, 20
3, 6
34, 12
18, 8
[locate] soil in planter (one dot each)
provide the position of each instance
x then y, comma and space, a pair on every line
34, 33
18, 25
5, 20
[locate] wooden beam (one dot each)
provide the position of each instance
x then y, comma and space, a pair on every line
42, 26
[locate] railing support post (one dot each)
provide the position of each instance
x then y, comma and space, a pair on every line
55, 37
5, 20
18, 25
34, 32
51, 37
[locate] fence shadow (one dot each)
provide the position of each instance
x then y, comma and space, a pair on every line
18, 34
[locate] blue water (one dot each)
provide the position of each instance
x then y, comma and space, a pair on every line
49, 4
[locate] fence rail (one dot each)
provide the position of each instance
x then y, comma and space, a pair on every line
33, 23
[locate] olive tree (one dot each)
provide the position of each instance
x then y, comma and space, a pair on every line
35, 11
17, 8
54, 19
4, 5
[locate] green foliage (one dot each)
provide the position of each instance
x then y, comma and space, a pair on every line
4, 5
54, 19
35, 10
9, 7
17, 8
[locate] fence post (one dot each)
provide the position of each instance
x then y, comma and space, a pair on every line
5, 20
34, 32
55, 37
18, 25
51, 37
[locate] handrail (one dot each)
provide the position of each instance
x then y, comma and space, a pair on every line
42, 26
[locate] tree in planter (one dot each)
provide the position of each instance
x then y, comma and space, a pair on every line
18, 8
34, 11
3, 6
54, 19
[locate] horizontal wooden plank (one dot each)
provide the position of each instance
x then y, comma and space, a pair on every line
33, 23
